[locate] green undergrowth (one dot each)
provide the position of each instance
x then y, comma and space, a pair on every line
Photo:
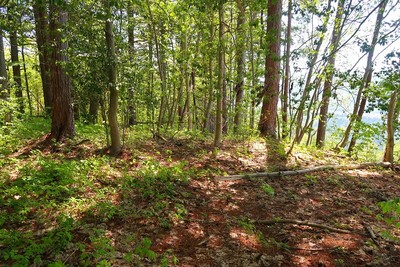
18, 132
58, 212
61, 209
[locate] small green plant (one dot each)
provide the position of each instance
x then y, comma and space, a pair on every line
311, 179
333, 180
143, 250
391, 215
247, 224
168, 259
269, 190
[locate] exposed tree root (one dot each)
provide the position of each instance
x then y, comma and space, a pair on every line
311, 224
371, 234
297, 172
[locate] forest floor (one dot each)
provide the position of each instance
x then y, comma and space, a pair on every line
159, 204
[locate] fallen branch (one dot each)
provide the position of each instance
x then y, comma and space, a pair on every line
306, 223
371, 234
297, 172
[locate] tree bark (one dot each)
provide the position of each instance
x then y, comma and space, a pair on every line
28, 92
112, 86
42, 40
210, 84
285, 97
16, 67
241, 58
388, 156
361, 101
221, 78
94, 106
329, 73
3, 80
267, 124
62, 123
300, 130
131, 43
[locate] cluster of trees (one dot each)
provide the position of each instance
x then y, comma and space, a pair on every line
217, 66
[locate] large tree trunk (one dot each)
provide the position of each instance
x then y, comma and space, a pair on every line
41, 27
241, 58
361, 101
267, 124
388, 157
329, 73
285, 96
16, 67
112, 86
221, 78
62, 124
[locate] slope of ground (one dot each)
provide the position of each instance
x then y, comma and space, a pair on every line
159, 204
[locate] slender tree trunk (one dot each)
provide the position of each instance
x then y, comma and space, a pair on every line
104, 119
112, 86
16, 67
241, 58
194, 108
161, 65
267, 124
3, 80
210, 99
188, 85
285, 97
388, 157
361, 100
308, 85
131, 43
28, 93
221, 78
253, 74
329, 73
62, 124
94, 106
42, 40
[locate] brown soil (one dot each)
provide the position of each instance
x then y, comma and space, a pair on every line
222, 225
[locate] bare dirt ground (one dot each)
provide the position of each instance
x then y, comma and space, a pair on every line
224, 225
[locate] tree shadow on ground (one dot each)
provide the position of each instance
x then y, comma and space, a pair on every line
158, 212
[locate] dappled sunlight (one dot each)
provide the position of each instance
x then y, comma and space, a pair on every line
345, 241
195, 230
245, 239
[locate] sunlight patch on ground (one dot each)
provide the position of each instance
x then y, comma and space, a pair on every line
195, 229
341, 241
231, 207
247, 240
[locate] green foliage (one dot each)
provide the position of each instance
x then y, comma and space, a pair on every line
247, 224
367, 135
144, 250
269, 190
16, 134
154, 181
42, 185
22, 249
391, 215
311, 179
